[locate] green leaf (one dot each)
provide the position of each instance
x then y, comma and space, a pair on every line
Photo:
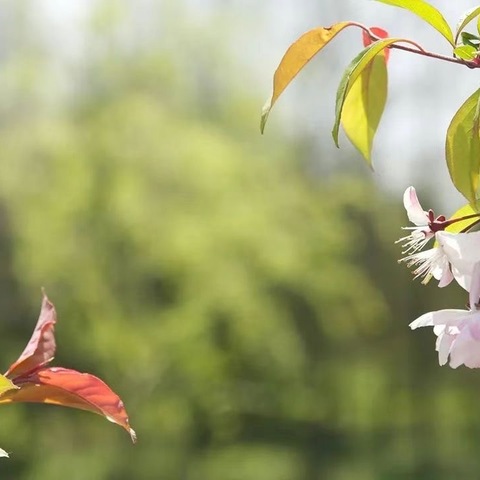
462, 225
6, 384
351, 74
296, 57
364, 105
463, 148
466, 52
465, 20
426, 12
470, 39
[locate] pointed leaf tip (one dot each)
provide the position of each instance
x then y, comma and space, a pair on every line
265, 111
467, 17
69, 388
40, 349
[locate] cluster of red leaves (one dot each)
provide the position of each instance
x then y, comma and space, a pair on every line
32, 380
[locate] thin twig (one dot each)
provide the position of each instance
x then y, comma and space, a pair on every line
419, 50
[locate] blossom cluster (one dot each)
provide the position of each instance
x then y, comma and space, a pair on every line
453, 257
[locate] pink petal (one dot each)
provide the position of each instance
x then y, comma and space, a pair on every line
444, 343
415, 212
465, 350
474, 295
446, 278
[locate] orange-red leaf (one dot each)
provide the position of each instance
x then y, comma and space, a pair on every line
59, 386
40, 350
380, 33
69, 388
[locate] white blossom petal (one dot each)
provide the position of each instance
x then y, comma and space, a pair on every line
452, 317
415, 212
443, 346
463, 252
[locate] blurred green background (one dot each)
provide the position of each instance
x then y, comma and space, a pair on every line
241, 293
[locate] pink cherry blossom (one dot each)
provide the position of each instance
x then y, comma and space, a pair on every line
453, 255
458, 331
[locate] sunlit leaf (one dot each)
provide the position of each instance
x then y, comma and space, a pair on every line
41, 348
352, 73
296, 57
6, 385
462, 225
69, 388
364, 106
30, 381
463, 148
465, 20
426, 12
465, 52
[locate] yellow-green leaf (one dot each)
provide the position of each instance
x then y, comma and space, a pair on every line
426, 12
463, 149
465, 20
5, 385
465, 52
364, 106
463, 225
296, 57
353, 71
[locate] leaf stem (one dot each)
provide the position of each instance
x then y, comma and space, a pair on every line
460, 219
419, 50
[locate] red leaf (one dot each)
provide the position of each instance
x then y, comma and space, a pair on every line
69, 388
59, 386
379, 32
40, 350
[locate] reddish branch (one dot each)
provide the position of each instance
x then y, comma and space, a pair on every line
419, 50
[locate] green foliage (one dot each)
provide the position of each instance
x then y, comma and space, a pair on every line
426, 12
466, 52
364, 105
463, 148
351, 75
250, 313
369, 81
465, 20
251, 317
